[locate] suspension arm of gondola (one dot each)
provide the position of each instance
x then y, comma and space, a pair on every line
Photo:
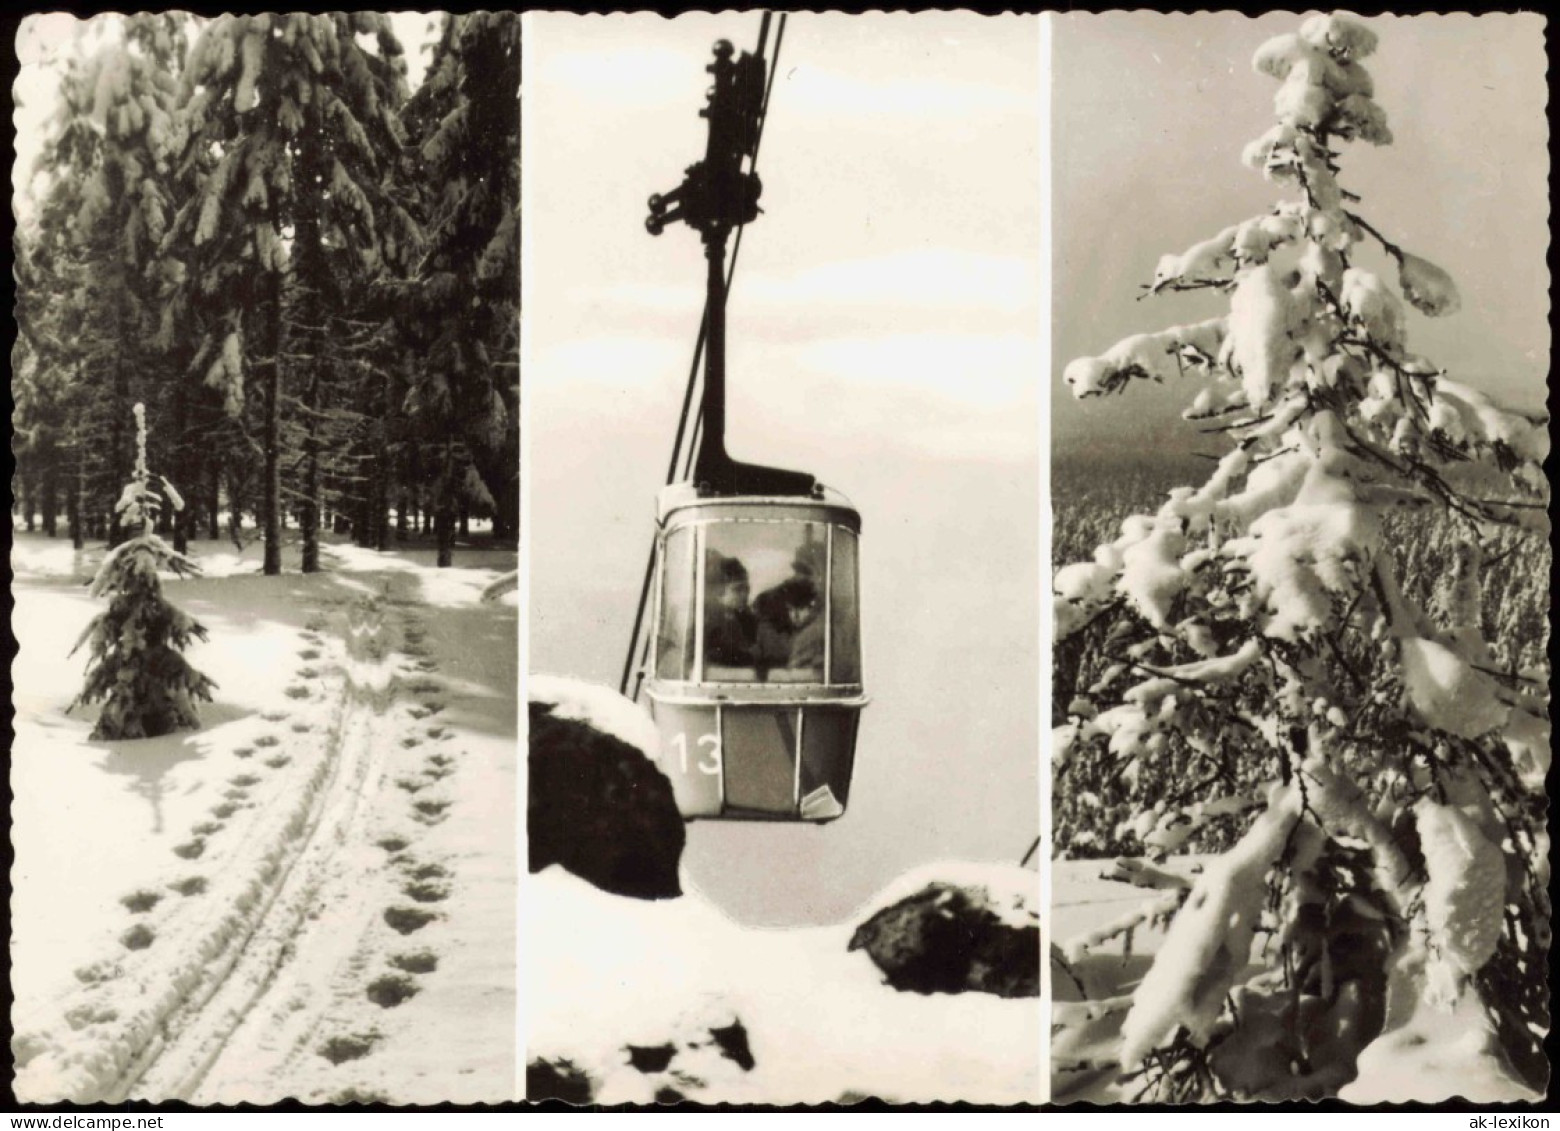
661, 214
717, 196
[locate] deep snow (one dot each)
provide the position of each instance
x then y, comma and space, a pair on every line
605, 972
203, 916
1108, 934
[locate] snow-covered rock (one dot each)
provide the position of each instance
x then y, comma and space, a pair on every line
978, 934
637, 1001
597, 804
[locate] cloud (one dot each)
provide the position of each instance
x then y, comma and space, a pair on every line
939, 279
974, 371
820, 92
596, 365
635, 74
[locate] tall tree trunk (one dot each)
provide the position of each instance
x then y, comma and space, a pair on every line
271, 441
379, 466
214, 503
381, 505
309, 513
119, 435
181, 459
50, 501
77, 526
444, 518
24, 493
235, 508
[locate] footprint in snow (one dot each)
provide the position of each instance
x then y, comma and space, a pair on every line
408, 919
390, 990
244, 780
243, 751
207, 828
354, 1046
96, 973
358, 1096
410, 741
309, 654
302, 728
90, 1014
393, 843
139, 902
278, 762
427, 892
190, 850
268, 740
297, 691
411, 785
273, 716
190, 885
415, 961
225, 810
138, 937
427, 871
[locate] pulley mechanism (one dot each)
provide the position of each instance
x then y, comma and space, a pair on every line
717, 194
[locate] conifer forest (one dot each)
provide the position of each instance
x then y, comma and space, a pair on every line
307, 273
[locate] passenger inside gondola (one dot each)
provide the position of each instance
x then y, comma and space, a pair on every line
730, 625
778, 637
782, 612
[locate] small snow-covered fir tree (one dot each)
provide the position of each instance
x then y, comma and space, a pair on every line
1391, 860
136, 669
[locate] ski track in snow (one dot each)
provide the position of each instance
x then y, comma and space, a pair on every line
265, 964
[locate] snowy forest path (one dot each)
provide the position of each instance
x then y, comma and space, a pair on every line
196, 1044
305, 919
370, 931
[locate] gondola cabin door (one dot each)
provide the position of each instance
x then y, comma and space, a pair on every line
755, 671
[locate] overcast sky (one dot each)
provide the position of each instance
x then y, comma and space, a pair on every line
1151, 112
884, 329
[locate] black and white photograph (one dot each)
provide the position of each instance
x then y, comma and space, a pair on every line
1301, 559
782, 367
264, 559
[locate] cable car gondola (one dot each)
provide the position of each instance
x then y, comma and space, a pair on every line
752, 657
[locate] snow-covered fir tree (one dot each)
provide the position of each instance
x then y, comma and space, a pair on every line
292, 121
136, 668
1390, 859
463, 309
106, 163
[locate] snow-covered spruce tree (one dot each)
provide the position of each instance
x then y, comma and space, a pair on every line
146, 686
106, 206
291, 123
462, 310
1392, 858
